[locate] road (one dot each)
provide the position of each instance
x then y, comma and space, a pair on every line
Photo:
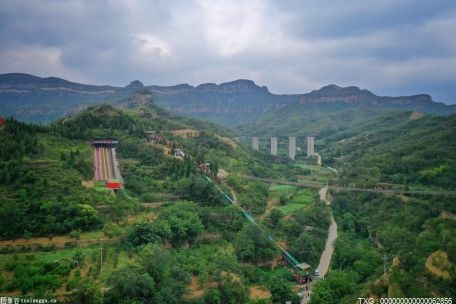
326, 255
325, 258
339, 188
319, 159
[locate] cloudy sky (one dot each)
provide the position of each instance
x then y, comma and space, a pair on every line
390, 47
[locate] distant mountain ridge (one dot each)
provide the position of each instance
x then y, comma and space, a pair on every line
333, 93
37, 99
333, 109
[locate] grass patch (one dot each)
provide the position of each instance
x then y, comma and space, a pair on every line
304, 196
281, 188
92, 235
290, 208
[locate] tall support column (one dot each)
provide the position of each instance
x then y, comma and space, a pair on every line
310, 146
274, 146
292, 147
255, 143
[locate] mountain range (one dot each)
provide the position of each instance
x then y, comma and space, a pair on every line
239, 102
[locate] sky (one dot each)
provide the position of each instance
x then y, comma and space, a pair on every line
390, 47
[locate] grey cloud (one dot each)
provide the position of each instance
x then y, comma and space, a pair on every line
395, 47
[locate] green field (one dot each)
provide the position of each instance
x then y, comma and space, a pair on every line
304, 196
296, 198
290, 208
281, 188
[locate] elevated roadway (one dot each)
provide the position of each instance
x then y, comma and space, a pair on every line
318, 185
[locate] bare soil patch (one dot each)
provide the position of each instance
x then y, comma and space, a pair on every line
259, 292
439, 265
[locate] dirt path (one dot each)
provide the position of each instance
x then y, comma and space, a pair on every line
57, 241
233, 195
319, 159
322, 193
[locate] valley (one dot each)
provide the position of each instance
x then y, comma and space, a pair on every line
168, 235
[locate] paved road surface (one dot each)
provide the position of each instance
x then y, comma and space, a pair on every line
325, 258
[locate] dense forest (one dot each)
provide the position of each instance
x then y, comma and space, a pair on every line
394, 245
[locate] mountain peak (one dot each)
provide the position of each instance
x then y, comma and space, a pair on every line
236, 86
135, 84
335, 90
242, 85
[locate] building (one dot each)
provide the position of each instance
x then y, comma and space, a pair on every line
179, 153
255, 143
292, 147
310, 146
185, 133
107, 172
274, 146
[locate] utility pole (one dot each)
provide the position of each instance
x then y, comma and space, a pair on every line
341, 163
384, 265
101, 257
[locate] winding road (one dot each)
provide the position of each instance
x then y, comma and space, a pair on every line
325, 258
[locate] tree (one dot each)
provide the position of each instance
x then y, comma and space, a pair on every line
322, 294
130, 283
252, 245
281, 291
184, 222
304, 249
86, 218
348, 222
11, 217
143, 233
337, 287
197, 189
283, 199
166, 271
274, 216
230, 221
213, 297
232, 292
87, 291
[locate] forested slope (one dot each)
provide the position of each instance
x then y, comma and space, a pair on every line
394, 245
169, 237
410, 152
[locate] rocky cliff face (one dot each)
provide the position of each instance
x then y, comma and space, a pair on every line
227, 103
139, 99
332, 94
32, 98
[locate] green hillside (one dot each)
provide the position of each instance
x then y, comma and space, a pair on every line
169, 237
394, 245
309, 120
398, 150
